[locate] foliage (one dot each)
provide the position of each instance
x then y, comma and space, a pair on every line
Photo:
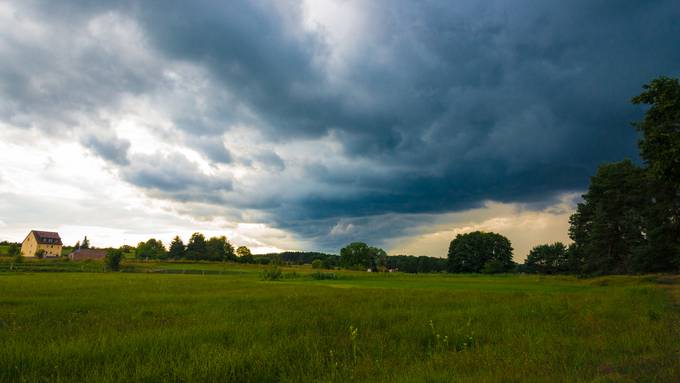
494, 266
468, 253
13, 250
196, 248
151, 249
607, 227
359, 255
40, 253
629, 220
219, 249
413, 264
177, 248
302, 257
273, 273
660, 149
548, 259
318, 275
316, 264
244, 255
85, 244
113, 258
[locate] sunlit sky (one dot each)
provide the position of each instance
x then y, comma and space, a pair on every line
306, 125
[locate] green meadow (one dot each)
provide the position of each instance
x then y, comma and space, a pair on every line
222, 322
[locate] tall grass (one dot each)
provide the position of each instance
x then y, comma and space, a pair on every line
125, 327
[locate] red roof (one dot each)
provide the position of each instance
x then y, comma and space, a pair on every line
83, 254
47, 237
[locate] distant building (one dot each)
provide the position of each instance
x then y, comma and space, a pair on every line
85, 254
47, 241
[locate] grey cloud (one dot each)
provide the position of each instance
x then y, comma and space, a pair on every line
212, 147
175, 177
111, 148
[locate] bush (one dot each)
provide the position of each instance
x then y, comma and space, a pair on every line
14, 250
272, 274
40, 254
316, 264
113, 258
322, 276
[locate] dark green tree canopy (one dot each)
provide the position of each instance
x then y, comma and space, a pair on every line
607, 227
468, 253
196, 248
660, 143
360, 255
177, 248
151, 249
548, 259
244, 255
219, 249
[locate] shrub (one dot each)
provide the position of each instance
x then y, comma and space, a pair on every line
40, 254
321, 276
14, 250
272, 274
316, 264
112, 259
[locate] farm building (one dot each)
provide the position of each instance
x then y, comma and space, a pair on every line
47, 241
85, 254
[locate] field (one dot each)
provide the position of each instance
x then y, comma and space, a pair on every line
216, 322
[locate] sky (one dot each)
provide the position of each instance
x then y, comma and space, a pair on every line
307, 125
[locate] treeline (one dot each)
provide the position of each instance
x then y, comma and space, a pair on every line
358, 256
198, 248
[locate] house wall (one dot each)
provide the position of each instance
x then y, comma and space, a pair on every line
30, 246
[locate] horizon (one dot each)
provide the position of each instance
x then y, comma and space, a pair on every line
308, 125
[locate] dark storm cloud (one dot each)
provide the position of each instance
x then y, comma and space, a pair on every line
448, 104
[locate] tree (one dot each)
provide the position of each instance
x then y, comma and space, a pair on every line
76, 246
151, 249
40, 253
660, 149
316, 264
85, 244
196, 248
219, 249
244, 255
113, 258
13, 250
177, 248
361, 256
548, 259
608, 226
494, 266
356, 254
468, 253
